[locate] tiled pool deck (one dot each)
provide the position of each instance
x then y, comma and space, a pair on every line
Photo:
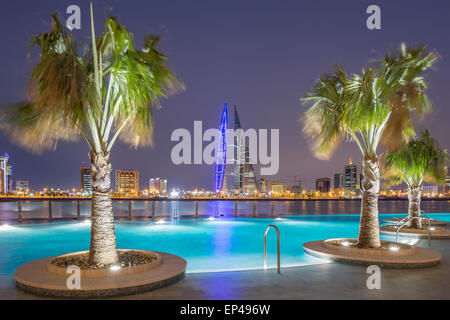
325, 281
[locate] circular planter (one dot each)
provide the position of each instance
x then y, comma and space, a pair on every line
405, 257
103, 273
433, 221
404, 249
41, 277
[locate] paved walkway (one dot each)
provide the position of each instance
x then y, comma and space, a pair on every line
325, 281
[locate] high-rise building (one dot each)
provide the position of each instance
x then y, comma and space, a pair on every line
323, 184
277, 188
22, 186
5, 174
221, 156
430, 190
127, 182
85, 181
157, 187
338, 180
350, 177
244, 174
297, 189
262, 185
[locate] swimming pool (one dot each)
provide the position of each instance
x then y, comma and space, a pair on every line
222, 244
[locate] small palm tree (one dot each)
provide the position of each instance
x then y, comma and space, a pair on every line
417, 161
102, 94
370, 108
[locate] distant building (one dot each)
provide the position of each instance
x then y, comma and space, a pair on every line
338, 180
262, 185
277, 188
430, 190
244, 174
323, 184
350, 177
5, 174
157, 186
85, 181
22, 186
127, 182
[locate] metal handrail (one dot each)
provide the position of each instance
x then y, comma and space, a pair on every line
278, 247
410, 219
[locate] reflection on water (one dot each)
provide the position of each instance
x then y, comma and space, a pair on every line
144, 209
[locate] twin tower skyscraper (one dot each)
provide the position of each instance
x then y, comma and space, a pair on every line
239, 177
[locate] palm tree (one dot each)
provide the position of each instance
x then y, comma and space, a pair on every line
103, 94
418, 160
369, 109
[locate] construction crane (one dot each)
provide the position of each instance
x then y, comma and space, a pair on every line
297, 180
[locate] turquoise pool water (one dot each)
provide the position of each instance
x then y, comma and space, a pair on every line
221, 244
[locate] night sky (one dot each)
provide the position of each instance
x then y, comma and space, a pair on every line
260, 55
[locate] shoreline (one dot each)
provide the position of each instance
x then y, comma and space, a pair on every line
15, 199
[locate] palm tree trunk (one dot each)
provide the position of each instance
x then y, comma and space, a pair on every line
414, 195
103, 250
369, 236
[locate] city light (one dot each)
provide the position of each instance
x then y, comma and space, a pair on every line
5, 227
174, 193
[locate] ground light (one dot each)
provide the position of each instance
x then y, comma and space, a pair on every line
114, 268
160, 222
410, 241
394, 248
345, 243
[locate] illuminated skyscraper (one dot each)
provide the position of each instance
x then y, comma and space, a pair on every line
446, 188
221, 156
157, 186
85, 181
22, 186
127, 182
350, 177
277, 189
5, 174
323, 184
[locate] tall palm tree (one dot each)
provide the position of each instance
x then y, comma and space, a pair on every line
418, 160
102, 94
369, 109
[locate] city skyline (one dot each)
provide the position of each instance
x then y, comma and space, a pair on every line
276, 33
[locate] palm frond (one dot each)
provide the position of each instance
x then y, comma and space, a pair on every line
323, 120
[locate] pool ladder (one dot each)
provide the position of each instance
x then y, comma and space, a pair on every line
410, 219
278, 247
